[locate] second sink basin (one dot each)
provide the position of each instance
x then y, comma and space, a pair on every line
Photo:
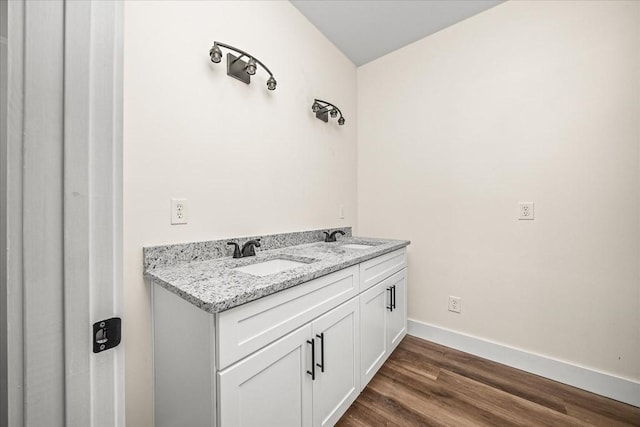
266, 268
357, 246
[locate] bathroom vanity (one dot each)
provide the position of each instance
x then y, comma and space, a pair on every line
288, 337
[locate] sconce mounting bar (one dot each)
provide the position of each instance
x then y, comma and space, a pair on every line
243, 53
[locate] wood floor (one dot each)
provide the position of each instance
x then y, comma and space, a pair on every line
426, 384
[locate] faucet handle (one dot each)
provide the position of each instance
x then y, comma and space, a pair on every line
236, 250
332, 237
248, 247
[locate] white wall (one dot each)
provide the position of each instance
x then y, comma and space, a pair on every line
248, 160
528, 101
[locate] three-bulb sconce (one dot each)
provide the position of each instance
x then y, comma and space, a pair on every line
324, 109
239, 69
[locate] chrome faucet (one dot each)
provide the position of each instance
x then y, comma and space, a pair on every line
332, 237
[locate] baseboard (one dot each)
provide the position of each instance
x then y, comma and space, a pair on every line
623, 390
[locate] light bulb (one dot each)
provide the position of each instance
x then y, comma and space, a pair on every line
251, 67
334, 113
341, 121
315, 107
271, 83
216, 54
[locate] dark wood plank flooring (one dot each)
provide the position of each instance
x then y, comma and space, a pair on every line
426, 384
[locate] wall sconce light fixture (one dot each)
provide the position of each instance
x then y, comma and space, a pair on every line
239, 69
324, 109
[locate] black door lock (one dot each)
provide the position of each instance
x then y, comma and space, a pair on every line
106, 334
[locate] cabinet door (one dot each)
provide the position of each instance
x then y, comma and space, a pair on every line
270, 388
397, 316
337, 347
373, 343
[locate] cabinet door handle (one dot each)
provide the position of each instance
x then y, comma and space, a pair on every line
321, 364
312, 372
393, 303
390, 306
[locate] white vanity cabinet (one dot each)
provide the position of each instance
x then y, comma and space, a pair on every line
396, 327
249, 327
383, 319
337, 369
293, 358
373, 320
309, 377
271, 387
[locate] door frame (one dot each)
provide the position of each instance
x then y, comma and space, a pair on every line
61, 231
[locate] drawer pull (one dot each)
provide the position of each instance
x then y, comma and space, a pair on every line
312, 372
321, 364
390, 306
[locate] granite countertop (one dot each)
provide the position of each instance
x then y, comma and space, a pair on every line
214, 286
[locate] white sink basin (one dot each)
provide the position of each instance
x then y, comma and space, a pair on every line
357, 246
266, 268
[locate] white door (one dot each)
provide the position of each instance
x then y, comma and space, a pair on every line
397, 315
271, 388
337, 377
373, 342
61, 191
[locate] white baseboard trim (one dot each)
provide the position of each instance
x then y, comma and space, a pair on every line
621, 389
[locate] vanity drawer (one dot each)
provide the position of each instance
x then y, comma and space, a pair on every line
379, 268
249, 327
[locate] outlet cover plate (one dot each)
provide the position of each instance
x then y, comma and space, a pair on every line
455, 304
178, 211
525, 210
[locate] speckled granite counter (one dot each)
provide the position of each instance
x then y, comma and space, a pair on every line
211, 283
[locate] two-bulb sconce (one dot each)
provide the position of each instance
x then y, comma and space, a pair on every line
324, 109
239, 69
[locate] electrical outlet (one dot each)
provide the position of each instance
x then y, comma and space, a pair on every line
526, 210
455, 304
178, 211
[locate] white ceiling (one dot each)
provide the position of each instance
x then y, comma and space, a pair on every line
365, 30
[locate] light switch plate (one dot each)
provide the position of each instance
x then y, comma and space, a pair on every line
526, 210
178, 211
